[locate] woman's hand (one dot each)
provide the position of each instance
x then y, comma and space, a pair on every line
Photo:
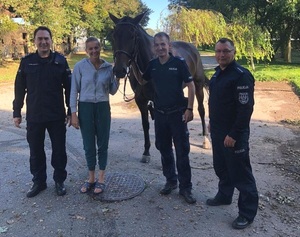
74, 121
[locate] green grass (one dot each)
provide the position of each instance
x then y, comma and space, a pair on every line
8, 71
274, 71
279, 72
74, 58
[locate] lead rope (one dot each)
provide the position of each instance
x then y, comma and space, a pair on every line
125, 98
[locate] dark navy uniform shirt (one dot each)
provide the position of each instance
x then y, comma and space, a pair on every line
45, 81
167, 80
231, 100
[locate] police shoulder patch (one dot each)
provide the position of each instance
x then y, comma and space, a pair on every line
180, 58
239, 69
243, 97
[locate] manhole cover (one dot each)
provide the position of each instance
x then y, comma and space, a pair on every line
121, 186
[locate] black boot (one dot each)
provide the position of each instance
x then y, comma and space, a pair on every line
36, 189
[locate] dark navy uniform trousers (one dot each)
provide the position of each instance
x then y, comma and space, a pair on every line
171, 128
36, 140
232, 166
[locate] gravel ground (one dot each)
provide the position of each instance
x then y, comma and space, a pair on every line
275, 151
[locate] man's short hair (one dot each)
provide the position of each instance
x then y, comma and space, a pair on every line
42, 28
225, 40
162, 34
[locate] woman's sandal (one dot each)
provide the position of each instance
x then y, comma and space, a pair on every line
87, 186
100, 186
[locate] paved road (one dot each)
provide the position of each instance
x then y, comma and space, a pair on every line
209, 62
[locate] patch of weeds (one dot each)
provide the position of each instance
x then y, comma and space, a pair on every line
291, 122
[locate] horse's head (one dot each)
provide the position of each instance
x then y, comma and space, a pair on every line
125, 42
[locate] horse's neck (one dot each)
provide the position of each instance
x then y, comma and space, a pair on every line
145, 53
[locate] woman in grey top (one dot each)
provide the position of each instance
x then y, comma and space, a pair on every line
92, 82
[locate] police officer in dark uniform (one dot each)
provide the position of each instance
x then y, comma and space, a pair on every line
45, 77
167, 74
231, 102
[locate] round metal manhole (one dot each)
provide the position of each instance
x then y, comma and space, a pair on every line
121, 186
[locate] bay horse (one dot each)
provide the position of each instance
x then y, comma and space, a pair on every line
132, 44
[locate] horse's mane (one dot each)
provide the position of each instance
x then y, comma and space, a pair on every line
130, 20
126, 19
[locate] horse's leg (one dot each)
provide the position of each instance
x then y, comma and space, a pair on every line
200, 99
142, 105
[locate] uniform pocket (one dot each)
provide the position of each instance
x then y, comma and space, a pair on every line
241, 148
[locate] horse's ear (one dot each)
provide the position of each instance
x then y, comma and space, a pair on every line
138, 18
114, 18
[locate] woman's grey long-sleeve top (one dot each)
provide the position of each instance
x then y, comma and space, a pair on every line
90, 84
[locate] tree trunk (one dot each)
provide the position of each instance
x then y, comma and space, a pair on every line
252, 63
282, 49
102, 41
288, 51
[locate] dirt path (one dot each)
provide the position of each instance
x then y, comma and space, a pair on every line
275, 151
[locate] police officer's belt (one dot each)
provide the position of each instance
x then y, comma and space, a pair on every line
170, 110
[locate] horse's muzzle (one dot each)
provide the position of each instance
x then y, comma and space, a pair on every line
119, 72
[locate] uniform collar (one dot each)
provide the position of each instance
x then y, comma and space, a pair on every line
45, 60
169, 60
230, 65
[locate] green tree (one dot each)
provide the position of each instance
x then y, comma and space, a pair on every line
250, 41
93, 19
69, 19
202, 27
42, 12
121, 8
280, 17
6, 26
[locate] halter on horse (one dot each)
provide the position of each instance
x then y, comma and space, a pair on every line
132, 45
